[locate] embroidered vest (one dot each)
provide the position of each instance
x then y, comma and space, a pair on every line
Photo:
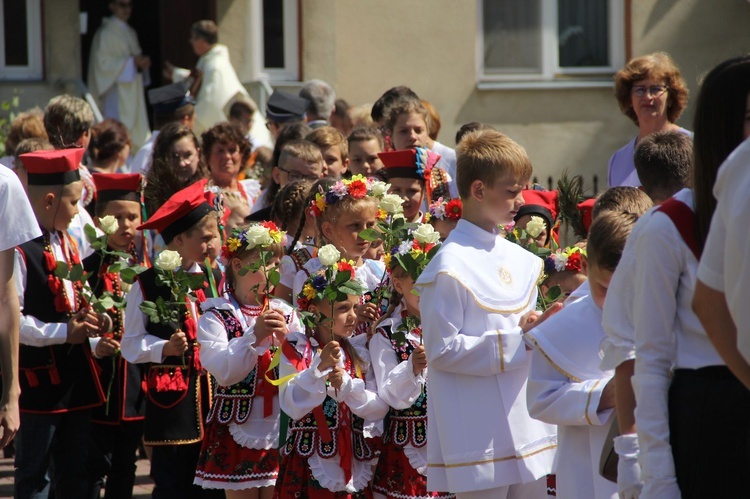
57, 378
405, 425
300, 257
232, 404
305, 437
121, 380
178, 393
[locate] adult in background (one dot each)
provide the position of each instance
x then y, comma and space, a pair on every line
322, 100
118, 71
652, 93
226, 151
284, 110
219, 82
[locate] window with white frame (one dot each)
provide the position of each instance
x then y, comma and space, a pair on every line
20, 40
280, 42
550, 41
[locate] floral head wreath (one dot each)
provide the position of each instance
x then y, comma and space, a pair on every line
334, 281
260, 235
414, 252
357, 187
569, 258
443, 209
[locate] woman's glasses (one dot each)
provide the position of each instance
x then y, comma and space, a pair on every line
653, 90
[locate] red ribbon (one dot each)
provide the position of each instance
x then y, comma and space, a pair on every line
265, 389
345, 442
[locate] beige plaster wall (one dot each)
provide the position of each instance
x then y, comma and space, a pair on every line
364, 47
62, 56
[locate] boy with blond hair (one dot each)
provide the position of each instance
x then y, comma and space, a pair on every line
335, 150
477, 300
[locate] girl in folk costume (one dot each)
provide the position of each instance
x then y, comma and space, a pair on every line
399, 363
328, 390
444, 214
342, 212
289, 211
117, 426
238, 335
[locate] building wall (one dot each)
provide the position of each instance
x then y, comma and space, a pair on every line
364, 47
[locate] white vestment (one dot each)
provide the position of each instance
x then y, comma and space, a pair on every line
473, 295
565, 386
114, 80
220, 84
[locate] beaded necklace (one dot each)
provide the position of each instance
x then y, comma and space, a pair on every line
56, 285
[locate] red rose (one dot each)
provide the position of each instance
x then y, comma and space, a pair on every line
357, 189
453, 209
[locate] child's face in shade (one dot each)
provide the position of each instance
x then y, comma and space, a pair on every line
68, 205
599, 279
343, 321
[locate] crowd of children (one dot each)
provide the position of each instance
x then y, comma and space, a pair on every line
388, 318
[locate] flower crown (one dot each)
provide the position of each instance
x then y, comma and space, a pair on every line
357, 187
334, 281
569, 258
443, 209
414, 252
260, 235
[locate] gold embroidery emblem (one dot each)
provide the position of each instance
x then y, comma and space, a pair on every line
506, 279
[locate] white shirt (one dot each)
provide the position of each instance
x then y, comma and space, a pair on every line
288, 268
18, 220
142, 160
138, 346
398, 386
565, 387
308, 390
724, 265
230, 361
619, 344
448, 163
473, 294
668, 335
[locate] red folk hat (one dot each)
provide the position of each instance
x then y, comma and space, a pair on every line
409, 163
56, 167
181, 211
542, 203
117, 186
586, 208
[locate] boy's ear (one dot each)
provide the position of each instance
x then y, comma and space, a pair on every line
346, 166
49, 199
477, 190
236, 264
585, 265
178, 240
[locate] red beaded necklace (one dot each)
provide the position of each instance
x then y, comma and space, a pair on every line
56, 285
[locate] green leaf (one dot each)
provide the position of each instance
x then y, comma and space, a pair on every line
115, 267
76, 273
61, 270
106, 301
120, 254
370, 234
274, 278
128, 273
98, 246
553, 293
90, 233
196, 281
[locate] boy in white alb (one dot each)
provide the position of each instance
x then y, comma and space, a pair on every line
566, 385
477, 298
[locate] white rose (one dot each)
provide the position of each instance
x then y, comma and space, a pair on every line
379, 188
426, 234
328, 255
257, 235
391, 203
535, 226
109, 224
168, 260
